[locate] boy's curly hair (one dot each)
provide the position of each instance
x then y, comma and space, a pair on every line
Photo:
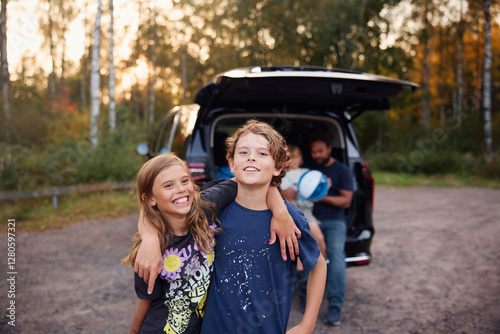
277, 145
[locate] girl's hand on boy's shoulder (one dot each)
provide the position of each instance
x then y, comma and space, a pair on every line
284, 227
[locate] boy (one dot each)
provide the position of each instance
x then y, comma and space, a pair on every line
252, 288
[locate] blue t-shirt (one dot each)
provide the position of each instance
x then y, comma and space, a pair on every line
341, 178
252, 287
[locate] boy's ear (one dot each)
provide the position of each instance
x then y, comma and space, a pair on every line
230, 161
277, 171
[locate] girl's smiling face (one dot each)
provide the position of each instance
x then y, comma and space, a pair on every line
253, 163
173, 192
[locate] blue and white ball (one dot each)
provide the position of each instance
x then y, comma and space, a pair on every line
313, 185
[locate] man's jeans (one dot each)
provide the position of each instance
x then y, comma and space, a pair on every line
335, 235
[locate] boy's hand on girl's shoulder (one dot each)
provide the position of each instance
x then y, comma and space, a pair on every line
283, 226
148, 262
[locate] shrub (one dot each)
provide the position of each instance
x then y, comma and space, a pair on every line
435, 163
72, 161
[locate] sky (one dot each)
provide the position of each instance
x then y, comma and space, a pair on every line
23, 34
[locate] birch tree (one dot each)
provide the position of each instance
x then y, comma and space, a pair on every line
66, 11
84, 62
487, 79
152, 96
5, 71
95, 79
112, 102
52, 50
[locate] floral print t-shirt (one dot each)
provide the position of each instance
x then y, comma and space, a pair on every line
182, 287
180, 291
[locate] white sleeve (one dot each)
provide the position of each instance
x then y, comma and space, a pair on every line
286, 182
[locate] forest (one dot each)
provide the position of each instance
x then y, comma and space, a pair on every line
78, 121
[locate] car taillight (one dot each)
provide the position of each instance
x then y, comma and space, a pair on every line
367, 175
197, 170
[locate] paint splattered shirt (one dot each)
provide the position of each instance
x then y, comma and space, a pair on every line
252, 287
180, 291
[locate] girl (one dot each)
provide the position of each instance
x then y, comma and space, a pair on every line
184, 222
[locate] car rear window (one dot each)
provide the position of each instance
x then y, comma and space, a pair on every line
296, 129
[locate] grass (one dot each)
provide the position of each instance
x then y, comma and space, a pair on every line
445, 180
38, 214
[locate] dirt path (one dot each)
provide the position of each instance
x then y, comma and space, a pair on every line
435, 269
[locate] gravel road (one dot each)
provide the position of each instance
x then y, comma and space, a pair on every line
435, 269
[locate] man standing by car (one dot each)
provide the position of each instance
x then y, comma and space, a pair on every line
330, 212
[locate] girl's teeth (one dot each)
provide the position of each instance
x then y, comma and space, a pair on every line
181, 200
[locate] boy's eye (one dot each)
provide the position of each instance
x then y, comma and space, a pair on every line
243, 152
263, 153
185, 181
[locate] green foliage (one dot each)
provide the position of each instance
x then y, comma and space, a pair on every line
72, 161
114, 160
397, 145
425, 161
442, 180
11, 158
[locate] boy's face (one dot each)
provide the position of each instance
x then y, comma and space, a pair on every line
253, 163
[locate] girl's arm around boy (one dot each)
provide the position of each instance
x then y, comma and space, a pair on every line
140, 312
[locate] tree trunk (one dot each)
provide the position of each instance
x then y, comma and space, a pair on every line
152, 96
112, 103
85, 59
442, 85
52, 75
62, 81
83, 82
487, 80
460, 72
95, 80
184, 76
5, 73
426, 111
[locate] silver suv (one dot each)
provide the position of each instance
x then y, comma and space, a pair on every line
296, 101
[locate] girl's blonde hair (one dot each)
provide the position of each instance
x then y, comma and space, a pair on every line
196, 219
277, 146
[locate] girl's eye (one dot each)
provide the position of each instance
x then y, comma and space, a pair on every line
185, 181
168, 185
